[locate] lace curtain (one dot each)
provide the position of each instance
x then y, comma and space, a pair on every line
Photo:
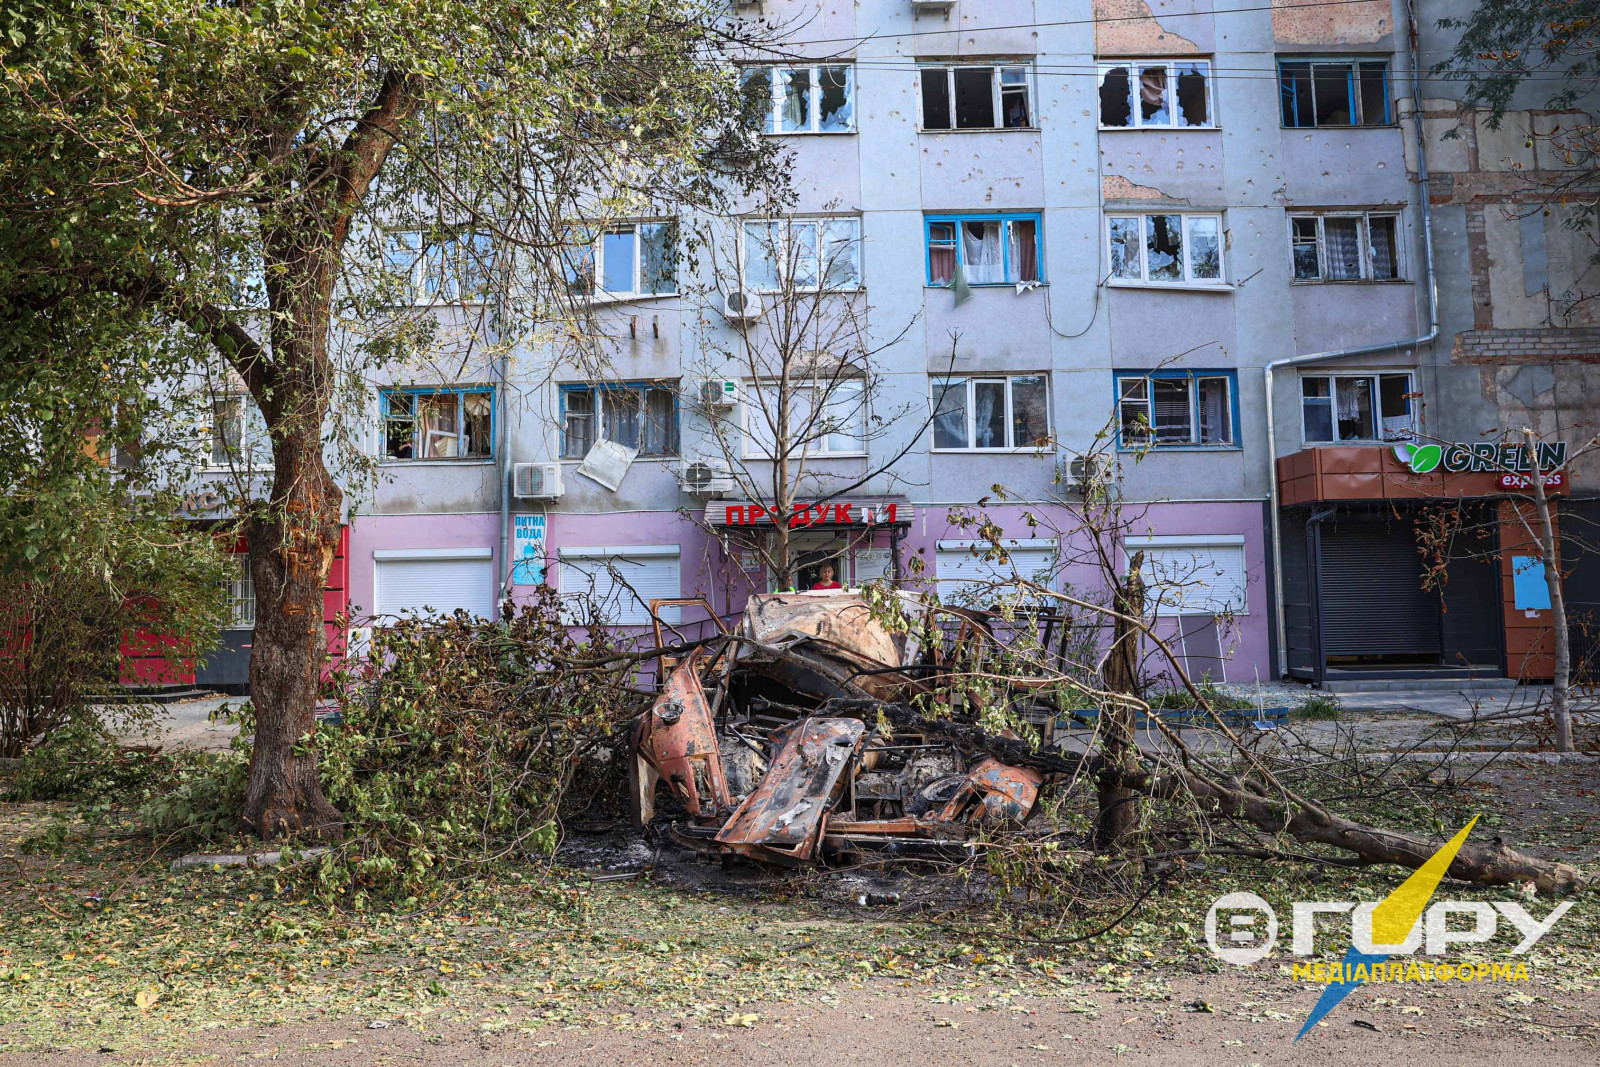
981, 253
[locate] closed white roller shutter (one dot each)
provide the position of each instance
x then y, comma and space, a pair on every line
1193, 576
621, 581
966, 577
436, 583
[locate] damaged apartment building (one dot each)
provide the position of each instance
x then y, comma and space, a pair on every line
1214, 240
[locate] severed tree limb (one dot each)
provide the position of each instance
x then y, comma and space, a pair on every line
1491, 864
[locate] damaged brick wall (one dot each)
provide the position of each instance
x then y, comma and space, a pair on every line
1133, 28
1316, 23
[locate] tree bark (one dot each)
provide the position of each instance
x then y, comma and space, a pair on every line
292, 542
1492, 864
1117, 819
1561, 684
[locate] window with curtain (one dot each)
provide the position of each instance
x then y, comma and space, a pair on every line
1164, 94
991, 413
437, 424
641, 415
986, 249
1356, 407
1345, 247
1176, 409
1165, 248
805, 254
802, 99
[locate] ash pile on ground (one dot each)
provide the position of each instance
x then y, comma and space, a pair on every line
618, 853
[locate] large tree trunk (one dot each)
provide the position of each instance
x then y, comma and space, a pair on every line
1117, 818
292, 545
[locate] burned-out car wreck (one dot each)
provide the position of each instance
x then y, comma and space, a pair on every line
774, 743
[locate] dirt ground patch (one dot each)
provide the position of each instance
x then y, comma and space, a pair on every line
108, 957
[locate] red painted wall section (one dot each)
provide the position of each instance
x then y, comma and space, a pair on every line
146, 657
336, 603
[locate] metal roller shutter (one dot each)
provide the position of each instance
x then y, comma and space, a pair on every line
621, 582
1373, 602
1193, 576
964, 575
436, 586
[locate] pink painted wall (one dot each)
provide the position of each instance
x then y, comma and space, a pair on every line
370, 533
1243, 643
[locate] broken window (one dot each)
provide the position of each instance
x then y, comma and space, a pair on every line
438, 423
634, 259
808, 99
1176, 408
802, 254
1334, 92
1356, 407
639, 415
975, 98
1344, 247
988, 249
991, 413
1166, 248
1157, 93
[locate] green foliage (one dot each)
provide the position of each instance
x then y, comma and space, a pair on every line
104, 570
1319, 706
1180, 699
80, 760
459, 741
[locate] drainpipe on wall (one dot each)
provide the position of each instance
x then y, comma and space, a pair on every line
1430, 288
502, 581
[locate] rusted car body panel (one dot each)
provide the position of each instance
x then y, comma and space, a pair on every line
997, 793
782, 820
834, 644
677, 740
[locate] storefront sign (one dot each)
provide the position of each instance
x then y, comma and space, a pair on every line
528, 549
1485, 457
836, 513
1525, 481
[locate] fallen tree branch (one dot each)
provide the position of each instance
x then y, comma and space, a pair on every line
1492, 864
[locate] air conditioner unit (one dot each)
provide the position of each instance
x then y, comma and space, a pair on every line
537, 481
720, 393
932, 7
742, 306
706, 477
1092, 471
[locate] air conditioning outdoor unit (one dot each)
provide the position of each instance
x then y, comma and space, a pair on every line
742, 306
720, 393
537, 481
706, 477
932, 7
1096, 470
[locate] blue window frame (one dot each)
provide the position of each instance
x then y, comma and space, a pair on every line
641, 415
1177, 409
1335, 91
988, 249
438, 423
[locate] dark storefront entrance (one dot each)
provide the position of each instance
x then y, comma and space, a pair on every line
1367, 605
1389, 572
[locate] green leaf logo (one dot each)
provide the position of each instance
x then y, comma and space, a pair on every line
1425, 458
